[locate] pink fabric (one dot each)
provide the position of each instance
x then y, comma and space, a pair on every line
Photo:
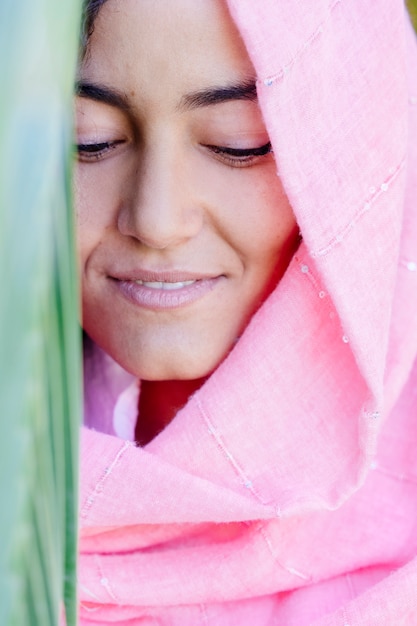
285, 492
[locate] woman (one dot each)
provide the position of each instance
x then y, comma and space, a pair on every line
263, 470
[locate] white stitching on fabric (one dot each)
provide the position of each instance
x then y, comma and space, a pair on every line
104, 581
269, 80
229, 456
351, 586
90, 593
401, 477
99, 486
305, 269
411, 266
289, 569
365, 208
345, 618
89, 609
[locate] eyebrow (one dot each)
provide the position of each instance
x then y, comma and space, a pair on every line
101, 93
216, 95
245, 90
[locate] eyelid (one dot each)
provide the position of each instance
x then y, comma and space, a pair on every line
96, 150
242, 152
240, 157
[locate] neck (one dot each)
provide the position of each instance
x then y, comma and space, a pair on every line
159, 402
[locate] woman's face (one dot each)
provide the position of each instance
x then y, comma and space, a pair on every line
183, 228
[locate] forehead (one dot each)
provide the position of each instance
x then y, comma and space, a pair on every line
167, 47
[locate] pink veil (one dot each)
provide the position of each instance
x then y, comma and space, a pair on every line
285, 492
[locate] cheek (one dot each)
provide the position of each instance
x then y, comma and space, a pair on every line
95, 199
260, 221
276, 223
94, 191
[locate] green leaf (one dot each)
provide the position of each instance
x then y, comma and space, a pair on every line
39, 332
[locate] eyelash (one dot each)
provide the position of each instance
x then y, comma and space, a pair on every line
236, 157
240, 157
95, 151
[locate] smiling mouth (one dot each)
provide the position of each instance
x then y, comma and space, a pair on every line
165, 285
158, 295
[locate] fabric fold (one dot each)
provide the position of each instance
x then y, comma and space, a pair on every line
285, 491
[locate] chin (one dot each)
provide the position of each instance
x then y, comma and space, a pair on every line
181, 367
162, 356
175, 372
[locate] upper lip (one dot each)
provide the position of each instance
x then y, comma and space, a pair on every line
162, 276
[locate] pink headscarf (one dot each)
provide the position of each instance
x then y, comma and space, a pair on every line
285, 492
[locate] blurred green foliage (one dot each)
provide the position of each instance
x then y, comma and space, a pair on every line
39, 334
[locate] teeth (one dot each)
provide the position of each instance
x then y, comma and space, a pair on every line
163, 285
177, 285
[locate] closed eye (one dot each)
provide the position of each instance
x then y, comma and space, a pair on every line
239, 157
96, 151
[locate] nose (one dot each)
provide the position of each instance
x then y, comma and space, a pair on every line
161, 209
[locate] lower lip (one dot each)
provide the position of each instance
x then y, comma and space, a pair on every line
162, 299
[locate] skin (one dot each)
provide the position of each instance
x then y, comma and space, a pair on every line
164, 196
